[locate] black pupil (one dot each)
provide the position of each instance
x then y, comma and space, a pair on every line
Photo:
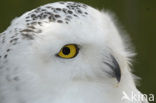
66, 50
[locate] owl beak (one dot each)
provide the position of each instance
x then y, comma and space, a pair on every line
114, 65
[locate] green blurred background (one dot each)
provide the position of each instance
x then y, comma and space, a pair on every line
138, 17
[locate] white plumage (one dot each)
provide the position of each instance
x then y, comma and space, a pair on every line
31, 72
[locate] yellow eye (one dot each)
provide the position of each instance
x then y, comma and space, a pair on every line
68, 51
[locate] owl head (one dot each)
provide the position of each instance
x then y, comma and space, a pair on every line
59, 46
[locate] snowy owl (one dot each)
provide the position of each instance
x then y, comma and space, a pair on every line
65, 52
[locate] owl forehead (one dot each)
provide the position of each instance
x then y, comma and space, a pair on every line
31, 24
60, 12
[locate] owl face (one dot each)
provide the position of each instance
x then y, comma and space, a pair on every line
49, 48
69, 51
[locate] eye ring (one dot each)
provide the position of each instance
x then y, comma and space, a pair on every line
68, 51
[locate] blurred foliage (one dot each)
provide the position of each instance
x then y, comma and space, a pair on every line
138, 17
